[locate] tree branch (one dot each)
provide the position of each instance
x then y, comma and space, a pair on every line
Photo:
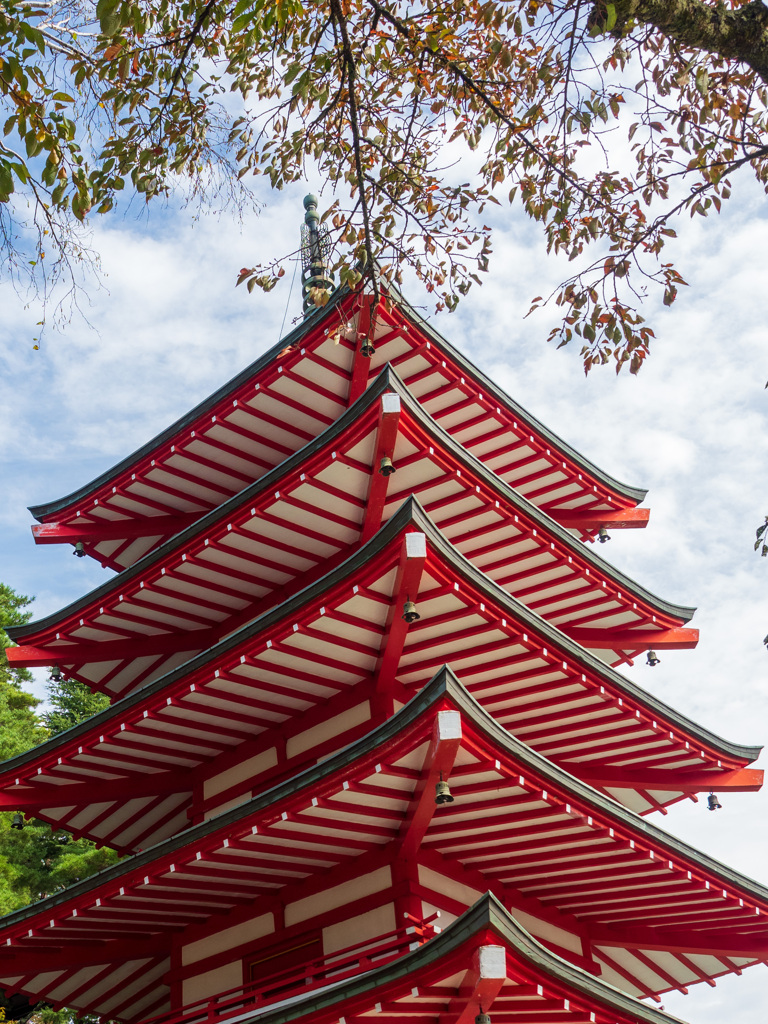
740, 34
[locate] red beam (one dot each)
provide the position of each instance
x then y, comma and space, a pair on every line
148, 526
69, 954
111, 650
386, 437
677, 639
438, 763
696, 941
479, 987
366, 327
407, 582
624, 519
83, 793
739, 780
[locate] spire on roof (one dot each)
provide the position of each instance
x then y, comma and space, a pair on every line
315, 250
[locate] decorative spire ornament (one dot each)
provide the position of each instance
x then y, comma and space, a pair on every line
315, 251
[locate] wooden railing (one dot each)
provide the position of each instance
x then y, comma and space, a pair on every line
319, 973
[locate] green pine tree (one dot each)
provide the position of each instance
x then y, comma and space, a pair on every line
70, 703
37, 860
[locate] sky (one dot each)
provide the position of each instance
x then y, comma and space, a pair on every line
169, 327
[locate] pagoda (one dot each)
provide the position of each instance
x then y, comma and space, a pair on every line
369, 757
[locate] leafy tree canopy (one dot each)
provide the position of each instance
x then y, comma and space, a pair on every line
602, 120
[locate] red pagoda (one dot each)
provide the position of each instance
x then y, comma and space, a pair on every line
369, 757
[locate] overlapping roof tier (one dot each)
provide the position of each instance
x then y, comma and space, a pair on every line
651, 913
278, 535
294, 392
339, 651
484, 961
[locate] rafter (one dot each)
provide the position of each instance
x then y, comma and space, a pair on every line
378, 484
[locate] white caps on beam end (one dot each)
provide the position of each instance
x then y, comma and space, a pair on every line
491, 962
390, 403
415, 545
448, 727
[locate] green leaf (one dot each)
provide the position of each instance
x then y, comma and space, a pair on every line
109, 18
6, 180
610, 17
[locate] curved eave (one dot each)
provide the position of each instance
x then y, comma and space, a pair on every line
181, 540
625, 493
586, 794
488, 913
306, 780
443, 688
631, 494
410, 513
47, 509
682, 612
387, 380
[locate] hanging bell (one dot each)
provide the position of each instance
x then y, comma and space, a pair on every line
367, 348
482, 1018
653, 659
79, 549
603, 535
18, 822
409, 612
442, 792
386, 467
55, 674
713, 804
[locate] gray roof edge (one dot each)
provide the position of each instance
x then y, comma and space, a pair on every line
552, 633
438, 686
398, 522
559, 776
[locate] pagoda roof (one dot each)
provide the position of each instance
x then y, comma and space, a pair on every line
279, 534
293, 392
450, 975
656, 914
330, 647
